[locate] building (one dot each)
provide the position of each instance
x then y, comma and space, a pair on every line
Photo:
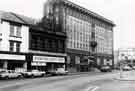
89, 35
27, 44
14, 44
127, 55
47, 46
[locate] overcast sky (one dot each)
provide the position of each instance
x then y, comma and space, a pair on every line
121, 12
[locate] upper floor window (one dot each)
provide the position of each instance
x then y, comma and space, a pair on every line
18, 46
14, 46
11, 46
15, 30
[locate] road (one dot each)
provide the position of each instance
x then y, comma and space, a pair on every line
84, 82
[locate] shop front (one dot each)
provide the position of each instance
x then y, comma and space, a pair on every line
12, 61
46, 63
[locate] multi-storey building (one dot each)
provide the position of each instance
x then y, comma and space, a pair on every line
13, 41
47, 46
89, 35
27, 44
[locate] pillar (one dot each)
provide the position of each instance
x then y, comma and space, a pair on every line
25, 65
5, 65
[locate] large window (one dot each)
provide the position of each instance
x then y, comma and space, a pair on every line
15, 30
46, 44
14, 46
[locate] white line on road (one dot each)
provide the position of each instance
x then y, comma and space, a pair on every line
95, 88
92, 88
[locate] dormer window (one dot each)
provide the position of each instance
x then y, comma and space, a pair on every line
15, 30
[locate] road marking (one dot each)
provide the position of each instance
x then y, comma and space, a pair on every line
92, 88
95, 88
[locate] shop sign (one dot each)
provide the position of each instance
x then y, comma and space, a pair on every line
38, 64
49, 59
12, 57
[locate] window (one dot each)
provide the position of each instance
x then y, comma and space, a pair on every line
14, 46
15, 30
18, 31
11, 46
34, 42
17, 46
93, 35
11, 30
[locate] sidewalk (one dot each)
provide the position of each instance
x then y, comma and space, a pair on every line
90, 72
126, 76
78, 73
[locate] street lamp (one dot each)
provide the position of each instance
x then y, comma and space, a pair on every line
122, 61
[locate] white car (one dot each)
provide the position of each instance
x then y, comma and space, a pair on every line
133, 67
59, 71
9, 74
33, 73
126, 68
37, 73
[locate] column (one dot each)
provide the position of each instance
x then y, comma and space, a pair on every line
105, 63
25, 65
5, 65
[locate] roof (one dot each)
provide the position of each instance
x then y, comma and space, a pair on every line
9, 16
88, 11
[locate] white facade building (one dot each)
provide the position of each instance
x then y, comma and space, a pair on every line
14, 41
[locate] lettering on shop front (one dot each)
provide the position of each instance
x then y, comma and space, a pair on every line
49, 59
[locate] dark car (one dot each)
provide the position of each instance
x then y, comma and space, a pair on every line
105, 68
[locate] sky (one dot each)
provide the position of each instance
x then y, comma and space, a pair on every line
121, 12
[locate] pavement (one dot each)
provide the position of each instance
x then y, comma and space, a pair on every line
126, 76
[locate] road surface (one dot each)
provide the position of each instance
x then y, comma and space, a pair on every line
83, 82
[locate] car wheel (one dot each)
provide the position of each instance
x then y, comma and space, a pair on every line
6, 78
32, 76
43, 75
19, 77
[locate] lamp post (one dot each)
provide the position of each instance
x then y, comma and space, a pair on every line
121, 60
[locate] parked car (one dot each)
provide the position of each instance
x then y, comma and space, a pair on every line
126, 68
105, 68
133, 67
9, 74
58, 71
33, 73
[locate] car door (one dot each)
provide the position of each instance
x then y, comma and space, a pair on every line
9, 74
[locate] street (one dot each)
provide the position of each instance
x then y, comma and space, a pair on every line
83, 82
